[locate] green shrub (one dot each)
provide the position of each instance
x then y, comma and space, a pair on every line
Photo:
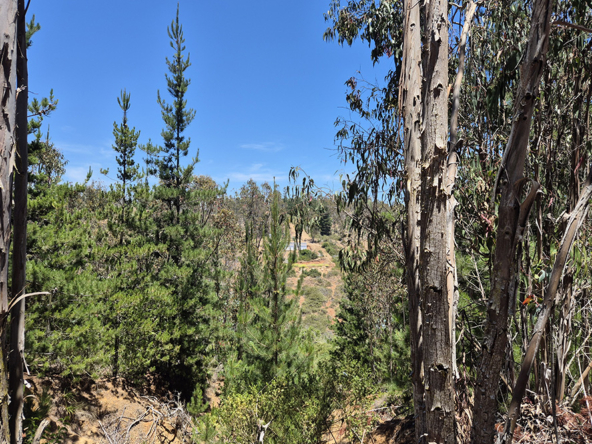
314, 300
331, 248
307, 255
312, 272
297, 408
319, 322
333, 273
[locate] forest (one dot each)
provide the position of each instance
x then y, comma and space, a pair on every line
439, 296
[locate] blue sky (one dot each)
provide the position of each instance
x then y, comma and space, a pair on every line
265, 86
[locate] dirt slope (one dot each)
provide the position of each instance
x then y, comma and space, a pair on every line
106, 412
329, 283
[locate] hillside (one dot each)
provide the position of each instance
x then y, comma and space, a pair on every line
322, 284
109, 411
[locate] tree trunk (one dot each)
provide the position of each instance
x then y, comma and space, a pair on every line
436, 290
511, 222
577, 217
8, 58
564, 337
565, 320
410, 96
451, 172
19, 254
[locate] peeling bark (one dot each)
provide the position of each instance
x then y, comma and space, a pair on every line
8, 57
19, 257
410, 96
437, 290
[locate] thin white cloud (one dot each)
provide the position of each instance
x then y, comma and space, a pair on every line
257, 177
268, 147
257, 172
103, 149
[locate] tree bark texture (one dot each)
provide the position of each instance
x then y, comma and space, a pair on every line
512, 218
19, 255
410, 96
436, 289
8, 57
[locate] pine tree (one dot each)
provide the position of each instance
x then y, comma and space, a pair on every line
248, 286
186, 238
177, 117
280, 313
126, 140
325, 223
119, 254
65, 330
273, 343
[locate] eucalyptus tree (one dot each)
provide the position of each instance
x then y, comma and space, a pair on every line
404, 152
19, 248
512, 218
252, 206
423, 67
8, 74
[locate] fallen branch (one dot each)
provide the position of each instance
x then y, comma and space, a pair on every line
137, 421
583, 376
40, 431
105, 433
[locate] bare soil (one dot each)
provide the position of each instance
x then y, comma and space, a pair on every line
327, 267
108, 412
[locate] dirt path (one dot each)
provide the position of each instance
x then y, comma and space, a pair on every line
330, 273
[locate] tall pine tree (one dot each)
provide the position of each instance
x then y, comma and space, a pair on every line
177, 117
124, 279
184, 229
270, 338
126, 141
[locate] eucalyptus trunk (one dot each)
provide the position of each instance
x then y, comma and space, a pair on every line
8, 58
19, 255
437, 291
410, 95
512, 218
567, 306
575, 221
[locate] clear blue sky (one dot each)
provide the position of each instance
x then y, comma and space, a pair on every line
264, 84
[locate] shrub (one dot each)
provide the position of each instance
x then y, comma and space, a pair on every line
297, 407
312, 272
314, 300
307, 255
333, 273
330, 248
